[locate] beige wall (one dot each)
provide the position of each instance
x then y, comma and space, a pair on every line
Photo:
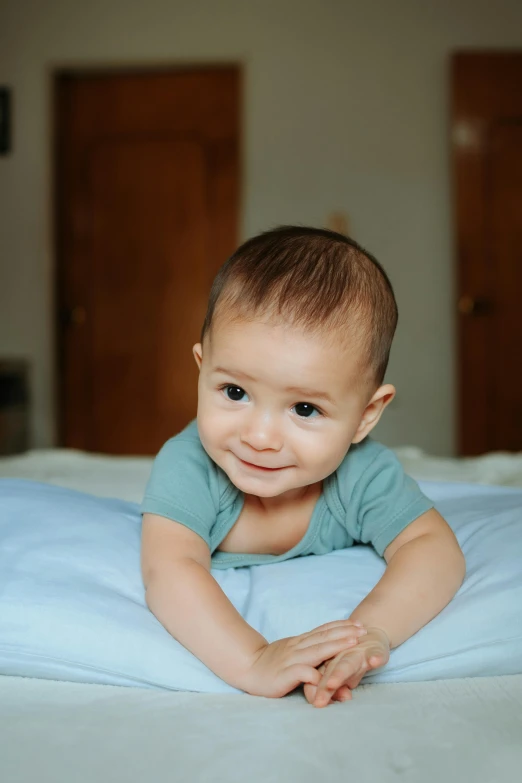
346, 108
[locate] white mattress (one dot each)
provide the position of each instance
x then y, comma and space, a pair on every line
467, 730
451, 730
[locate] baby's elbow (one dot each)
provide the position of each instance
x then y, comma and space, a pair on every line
146, 573
464, 564
452, 559
460, 565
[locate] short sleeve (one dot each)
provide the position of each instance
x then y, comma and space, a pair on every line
387, 501
183, 486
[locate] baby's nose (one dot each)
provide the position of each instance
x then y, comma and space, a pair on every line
262, 433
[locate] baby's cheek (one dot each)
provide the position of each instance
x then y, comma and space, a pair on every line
210, 428
327, 459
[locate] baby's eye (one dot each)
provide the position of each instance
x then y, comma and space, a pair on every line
234, 393
305, 410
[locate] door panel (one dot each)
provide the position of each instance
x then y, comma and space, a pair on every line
147, 211
148, 278
487, 159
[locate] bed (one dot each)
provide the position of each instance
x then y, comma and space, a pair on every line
458, 729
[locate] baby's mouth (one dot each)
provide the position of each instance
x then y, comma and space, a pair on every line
260, 467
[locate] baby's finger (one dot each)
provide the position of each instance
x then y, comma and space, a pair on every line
344, 693
343, 672
309, 692
341, 675
300, 674
324, 692
343, 633
316, 654
377, 660
334, 634
323, 697
353, 681
337, 624
309, 689
367, 660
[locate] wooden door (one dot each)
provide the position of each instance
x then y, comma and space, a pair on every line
487, 167
147, 173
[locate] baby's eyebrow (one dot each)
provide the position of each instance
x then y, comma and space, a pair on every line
321, 395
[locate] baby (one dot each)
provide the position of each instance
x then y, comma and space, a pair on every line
279, 464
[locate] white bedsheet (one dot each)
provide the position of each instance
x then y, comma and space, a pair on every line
495, 468
119, 477
126, 477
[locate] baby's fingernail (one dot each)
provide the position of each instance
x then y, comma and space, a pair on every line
357, 622
362, 631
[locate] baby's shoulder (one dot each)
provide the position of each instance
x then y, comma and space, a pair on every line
364, 464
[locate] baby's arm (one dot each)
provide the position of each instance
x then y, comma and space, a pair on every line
425, 568
182, 593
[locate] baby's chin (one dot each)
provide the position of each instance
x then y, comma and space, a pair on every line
264, 486
256, 488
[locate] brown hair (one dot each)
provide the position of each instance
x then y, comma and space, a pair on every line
314, 278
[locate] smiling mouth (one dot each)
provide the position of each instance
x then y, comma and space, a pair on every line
259, 467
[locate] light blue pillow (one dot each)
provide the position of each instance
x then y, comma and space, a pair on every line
72, 601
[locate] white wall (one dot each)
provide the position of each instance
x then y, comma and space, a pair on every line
346, 108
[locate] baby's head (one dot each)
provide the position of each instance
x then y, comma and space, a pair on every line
292, 358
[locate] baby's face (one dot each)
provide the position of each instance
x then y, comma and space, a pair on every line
262, 416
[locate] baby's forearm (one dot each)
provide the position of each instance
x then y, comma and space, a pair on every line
190, 604
420, 580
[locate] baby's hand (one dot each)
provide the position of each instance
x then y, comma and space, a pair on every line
281, 666
344, 672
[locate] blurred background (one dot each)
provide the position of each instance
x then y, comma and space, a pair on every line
141, 142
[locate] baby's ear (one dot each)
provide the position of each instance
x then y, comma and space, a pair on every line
198, 354
373, 411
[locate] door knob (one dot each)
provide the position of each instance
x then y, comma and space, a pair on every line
474, 305
74, 316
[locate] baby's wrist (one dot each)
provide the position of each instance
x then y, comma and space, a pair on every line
245, 666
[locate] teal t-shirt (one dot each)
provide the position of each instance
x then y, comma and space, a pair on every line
368, 499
